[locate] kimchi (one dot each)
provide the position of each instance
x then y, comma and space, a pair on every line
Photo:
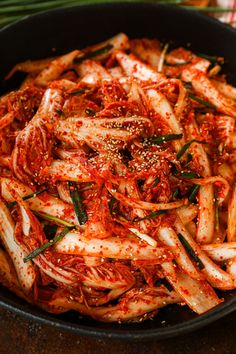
117, 181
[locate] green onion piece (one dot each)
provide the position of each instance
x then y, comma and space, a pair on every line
77, 202
216, 211
190, 251
176, 193
53, 218
150, 216
189, 159
199, 100
156, 181
103, 50
32, 195
78, 92
56, 239
188, 175
111, 204
181, 152
59, 112
193, 191
90, 112
159, 282
164, 138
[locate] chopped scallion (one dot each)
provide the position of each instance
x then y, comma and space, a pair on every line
77, 202
190, 251
31, 195
185, 147
53, 219
103, 50
164, 138
199, 100
176, 193
79, 92
150, 216
156, 181
193, 191
111, 204
189, 159
40, 249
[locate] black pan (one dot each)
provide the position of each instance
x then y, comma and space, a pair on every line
59, 31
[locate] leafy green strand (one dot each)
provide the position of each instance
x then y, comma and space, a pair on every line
77, 202
40, 249
31, 195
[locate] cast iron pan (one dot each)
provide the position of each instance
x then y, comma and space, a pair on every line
56, 32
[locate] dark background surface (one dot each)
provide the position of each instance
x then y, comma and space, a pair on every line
21, 336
